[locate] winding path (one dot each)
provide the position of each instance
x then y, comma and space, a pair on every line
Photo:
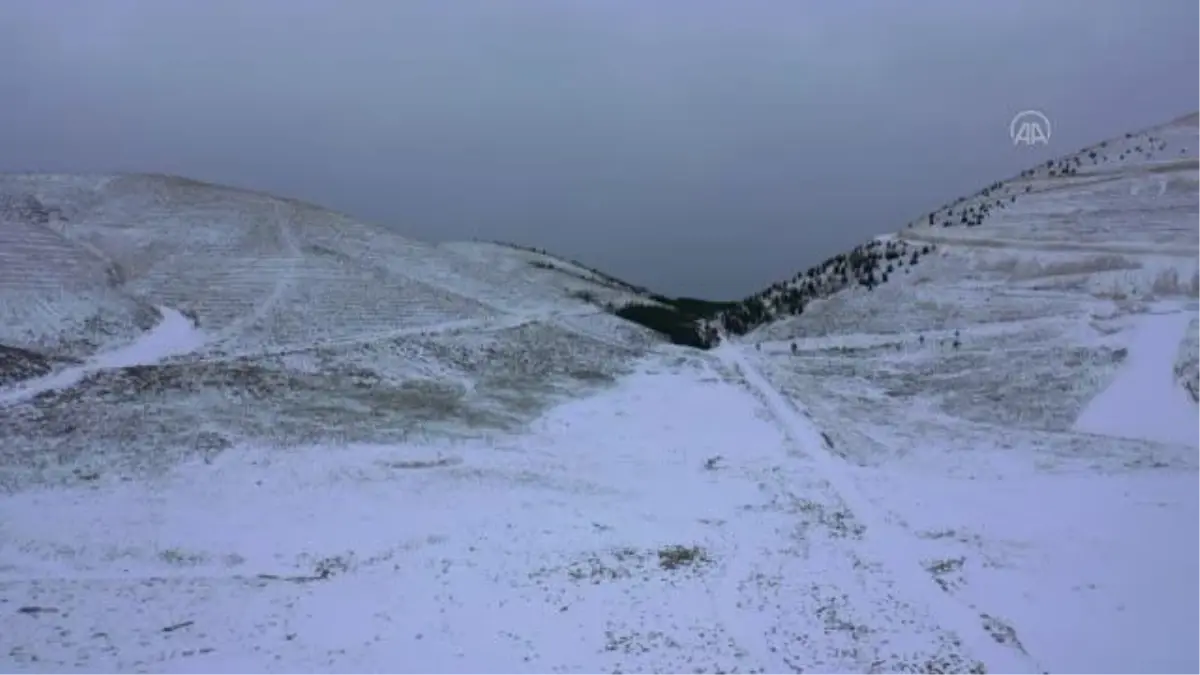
173, 336
1144, 401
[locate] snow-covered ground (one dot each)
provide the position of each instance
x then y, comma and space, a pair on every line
1145, 401
1017, 402
174, 335
333, 448
669, 523
575, 279
1083, 541
687, 518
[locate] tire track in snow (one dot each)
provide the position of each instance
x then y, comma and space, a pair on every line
737, 621
750, 594
885, 542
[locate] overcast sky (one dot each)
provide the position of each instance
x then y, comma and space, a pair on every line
702, 148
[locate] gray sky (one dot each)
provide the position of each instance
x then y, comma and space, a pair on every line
702, 148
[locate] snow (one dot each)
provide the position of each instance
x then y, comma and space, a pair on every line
1145, 401
318, 328
174, 335
892, 546
550, 271
1010, 412
367, 453
538, 552
257, 272
1081, 548
1096, 573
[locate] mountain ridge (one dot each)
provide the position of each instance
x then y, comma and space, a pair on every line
874, 262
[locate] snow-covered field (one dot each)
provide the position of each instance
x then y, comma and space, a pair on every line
686, 518
1064, 507
1019, 402
664, 524
246, 434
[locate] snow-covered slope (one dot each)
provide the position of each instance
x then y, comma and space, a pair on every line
56, 296
333, 448
307, 326
575, 279
1015, 395
1085, 212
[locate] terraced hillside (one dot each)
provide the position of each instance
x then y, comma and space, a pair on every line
321, 327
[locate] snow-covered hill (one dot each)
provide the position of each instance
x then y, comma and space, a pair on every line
306, 325
1019, 380
1133, 195
581, 281
245, 433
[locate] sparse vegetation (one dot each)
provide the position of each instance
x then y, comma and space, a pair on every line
423, 463
1001, 631
868, 266
19, 364
339, 393
673, 557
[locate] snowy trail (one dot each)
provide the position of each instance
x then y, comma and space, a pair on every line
1144, 401
887, 543
173, 336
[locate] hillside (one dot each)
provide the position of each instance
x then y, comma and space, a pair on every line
1079, 204
1014, 377
242, 433
304, 322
